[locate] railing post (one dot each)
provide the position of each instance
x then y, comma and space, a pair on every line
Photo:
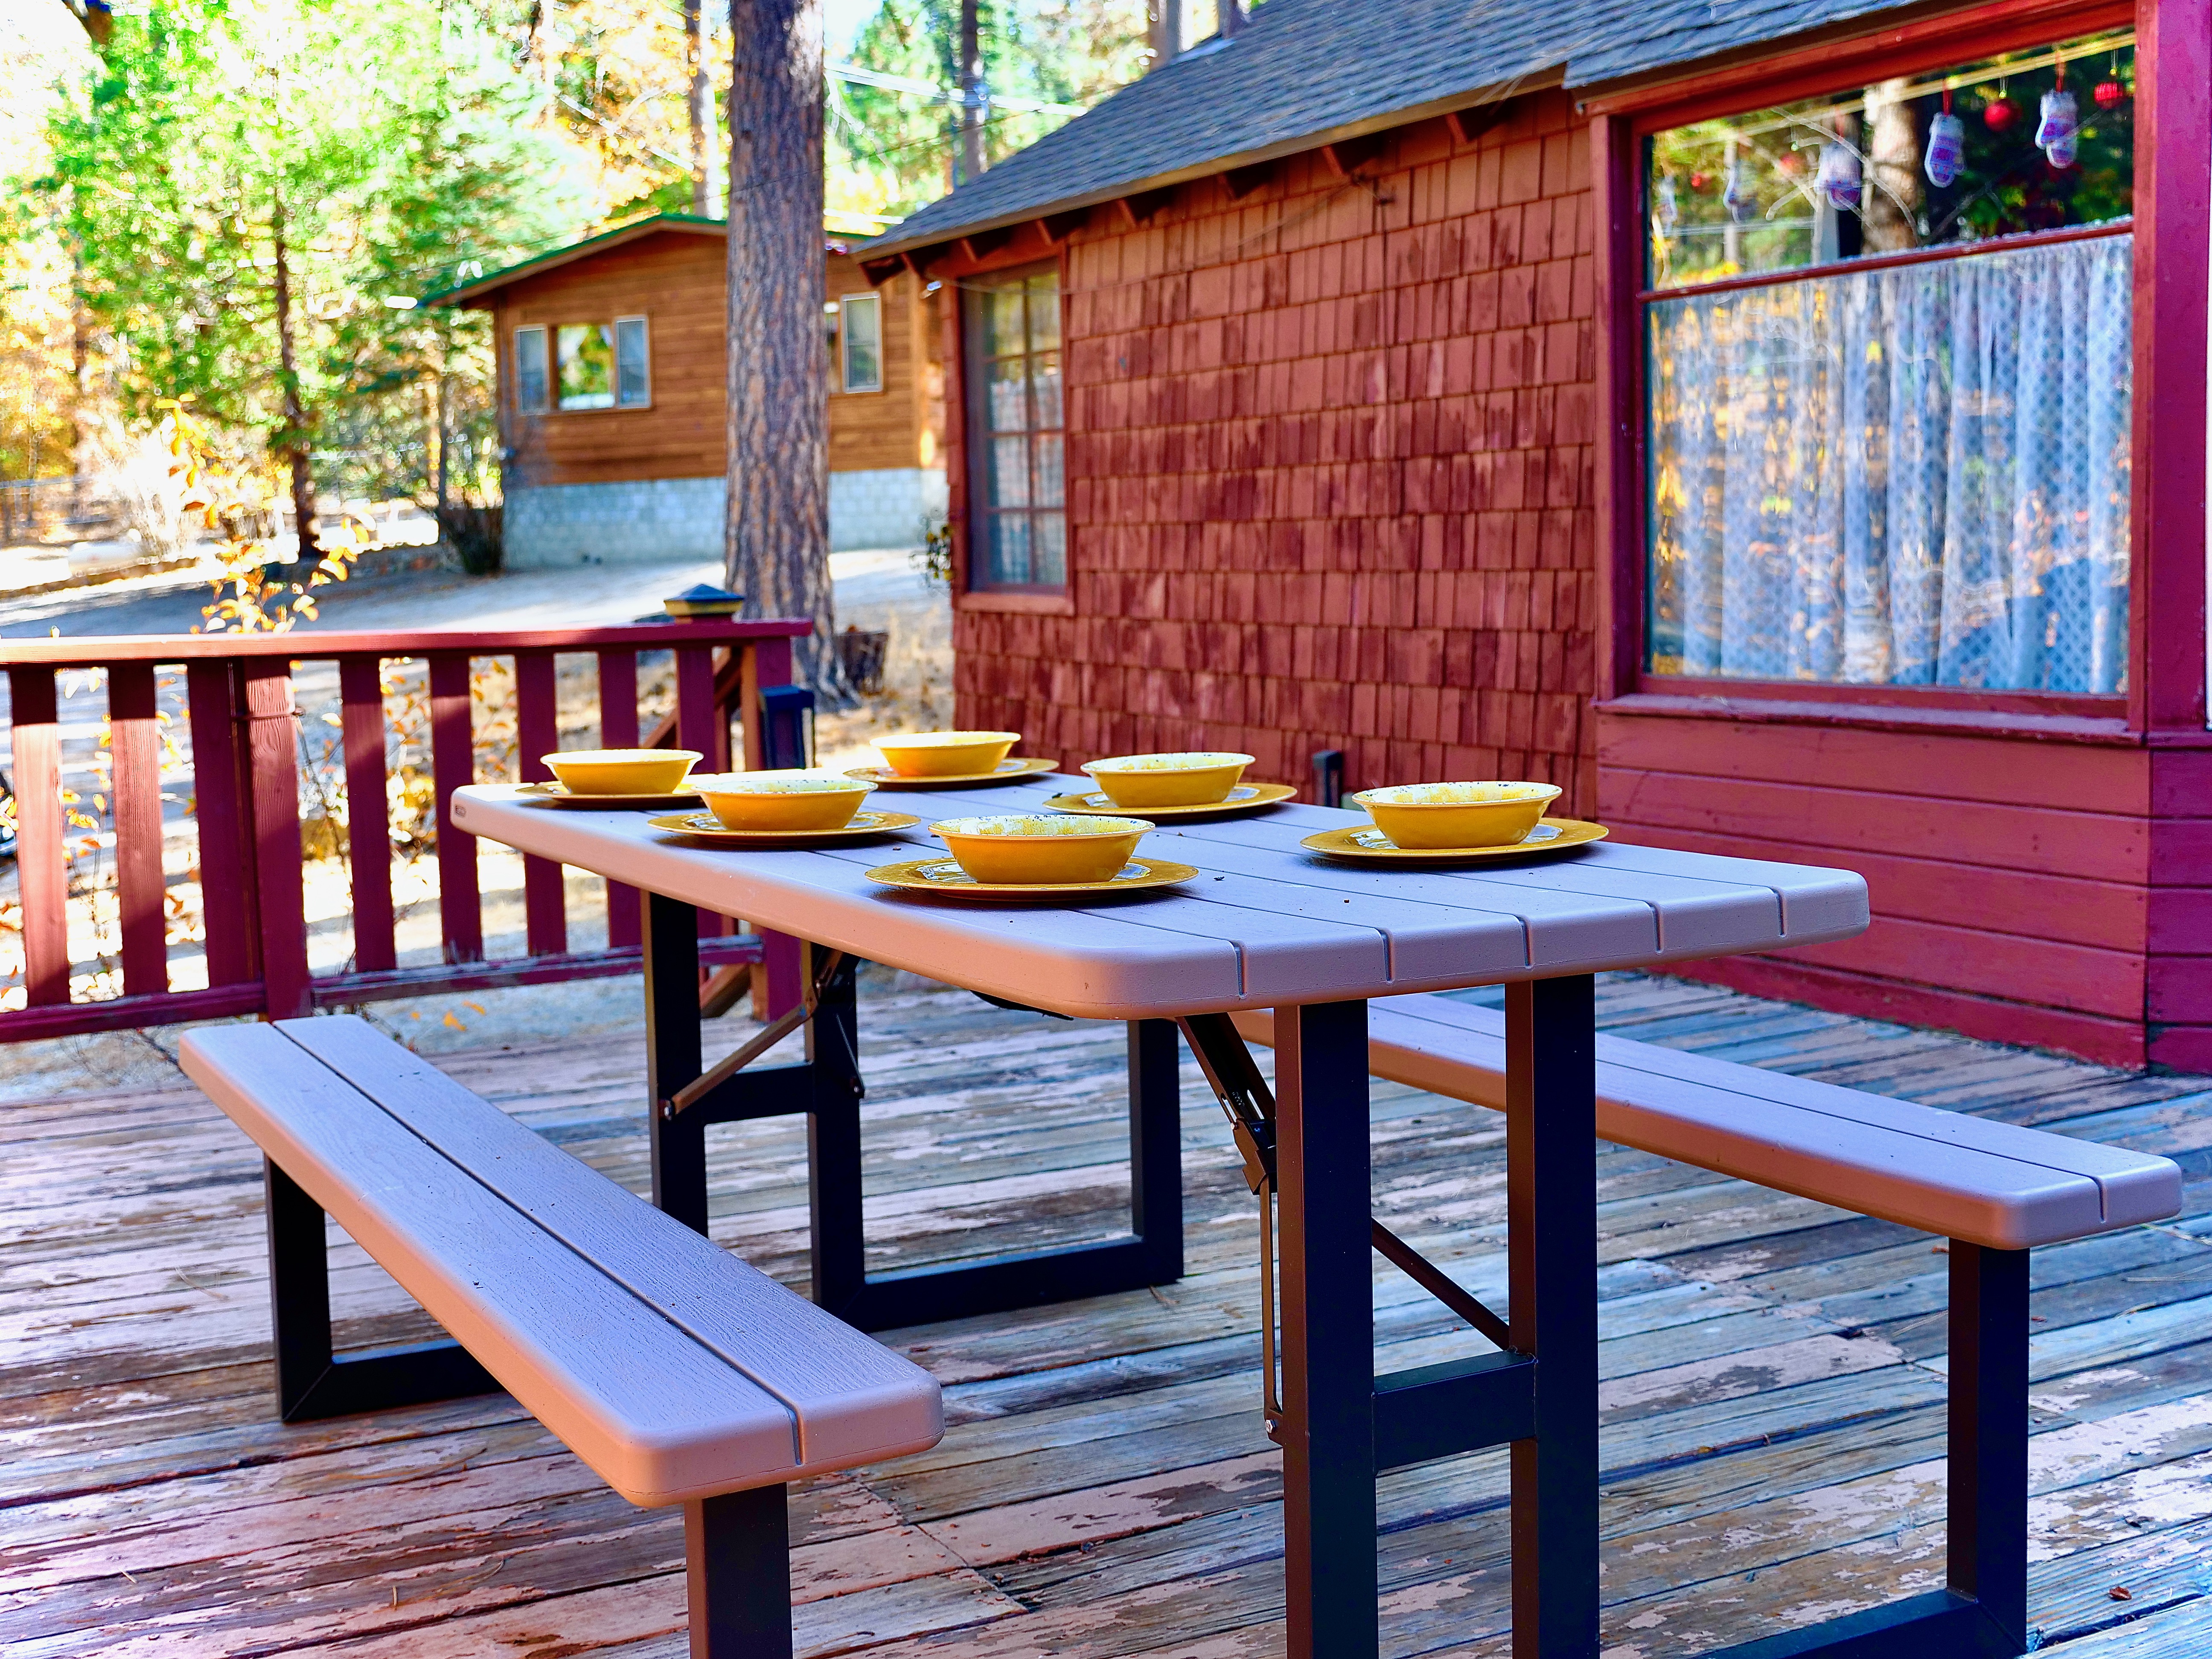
766, 664
369, 812
272, 745
229, 907
453, 763
41, 865
619, 729
134, 748
537, 732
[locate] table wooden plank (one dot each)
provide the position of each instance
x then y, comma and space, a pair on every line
1278, 927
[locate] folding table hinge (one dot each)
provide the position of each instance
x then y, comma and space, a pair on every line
763, 1040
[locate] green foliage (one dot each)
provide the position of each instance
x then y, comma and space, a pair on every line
890, 151
378, 145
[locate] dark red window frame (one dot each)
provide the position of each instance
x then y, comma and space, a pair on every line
2173, 221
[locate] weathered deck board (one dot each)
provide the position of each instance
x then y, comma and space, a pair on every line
1772, 1433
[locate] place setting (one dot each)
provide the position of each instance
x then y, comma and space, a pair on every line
1189, 785
949, 760
1455, 824
781, 809
1028, 857
617, 780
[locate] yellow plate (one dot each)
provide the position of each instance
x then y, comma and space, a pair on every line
942, 875
557, 794
1244, 797
707, 828
1022, 766
1365, 844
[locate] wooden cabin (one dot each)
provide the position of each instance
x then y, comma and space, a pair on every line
613, 366
1784, 428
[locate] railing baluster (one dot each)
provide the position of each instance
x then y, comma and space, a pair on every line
272, 742
453, 763
538, 732
618, 727
783, 962
227, 905
134, 751
41, 865
701, 723
369, 816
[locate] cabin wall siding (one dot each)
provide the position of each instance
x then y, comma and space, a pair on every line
1329, 473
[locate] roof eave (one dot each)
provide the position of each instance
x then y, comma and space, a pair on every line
468, 294
890, 246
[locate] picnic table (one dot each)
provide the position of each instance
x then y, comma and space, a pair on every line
1263, 926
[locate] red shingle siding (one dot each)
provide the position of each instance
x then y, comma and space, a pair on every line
1330, 473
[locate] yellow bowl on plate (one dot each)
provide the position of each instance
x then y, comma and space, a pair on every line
1045, 847
1198, 778
623, 771
1437, 816
792, 800
945, 754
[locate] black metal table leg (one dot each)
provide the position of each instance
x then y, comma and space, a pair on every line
827, 1087
1327, 1426
736, 1551
312, 1382
1550, 1046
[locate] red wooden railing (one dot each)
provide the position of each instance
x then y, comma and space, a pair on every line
244, 734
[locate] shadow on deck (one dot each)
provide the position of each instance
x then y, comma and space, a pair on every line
1773, 1397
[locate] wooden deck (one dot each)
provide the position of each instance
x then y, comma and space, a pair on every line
1773, 1416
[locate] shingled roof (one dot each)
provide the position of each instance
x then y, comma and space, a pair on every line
1308, 72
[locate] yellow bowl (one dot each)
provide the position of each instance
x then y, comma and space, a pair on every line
1043, 847
782, 800
945, 754
623, 771
1195, 779
1437, 816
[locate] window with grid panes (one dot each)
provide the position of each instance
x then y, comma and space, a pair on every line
1017, 522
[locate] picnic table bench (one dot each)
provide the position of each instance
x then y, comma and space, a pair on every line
677, 1372
1995, 1190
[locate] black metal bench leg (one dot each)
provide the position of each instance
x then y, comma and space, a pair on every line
1989, 1425
1327, 1426
737, 1558
672, 1057
1550, 1046
311, 1382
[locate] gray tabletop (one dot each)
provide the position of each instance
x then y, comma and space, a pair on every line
1264, 924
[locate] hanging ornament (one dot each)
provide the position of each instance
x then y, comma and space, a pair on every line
2058, 133
1664, 209
2000, 111
1947, 145
1839, 175
1735, 195
2110, 92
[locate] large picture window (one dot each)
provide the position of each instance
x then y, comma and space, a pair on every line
593, 365
1888, 368
1017, 525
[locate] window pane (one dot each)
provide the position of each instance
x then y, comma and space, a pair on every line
1005, 402
863, 334
1010, 472
1010, 548
1050, 486
1044, 380
1048, 549
1001, 312
1915, 476
530, 370
632, 363
1044, 312
586, 366
2033, 141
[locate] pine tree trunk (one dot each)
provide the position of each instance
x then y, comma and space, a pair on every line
776, 546
695, 46
971, 83
293, 443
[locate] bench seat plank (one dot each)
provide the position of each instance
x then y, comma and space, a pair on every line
658, 1413
1995, 1184
851, 1399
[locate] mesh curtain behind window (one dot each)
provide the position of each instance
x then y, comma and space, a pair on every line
1912, 477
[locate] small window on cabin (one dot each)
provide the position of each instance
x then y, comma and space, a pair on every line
529, 370
1888, 363
585, 366
860, 330
632, 363
1019, 522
